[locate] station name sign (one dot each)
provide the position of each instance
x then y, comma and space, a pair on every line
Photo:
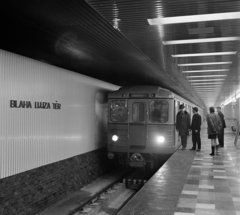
36, 105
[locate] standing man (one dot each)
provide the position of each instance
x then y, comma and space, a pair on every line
196, 127
221, 132
183, 125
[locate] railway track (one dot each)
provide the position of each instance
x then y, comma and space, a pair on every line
112, 198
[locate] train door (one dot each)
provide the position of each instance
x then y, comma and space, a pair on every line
137, 123
176, 110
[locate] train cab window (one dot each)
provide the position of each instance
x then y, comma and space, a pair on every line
138, 112
158, 111
118, 111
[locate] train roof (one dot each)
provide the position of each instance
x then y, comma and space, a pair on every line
141, 92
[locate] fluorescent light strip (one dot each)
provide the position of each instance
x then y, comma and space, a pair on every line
209, 70
203, 40
206, 80
194, 18
204, 94
205, 91
201, 64
232, 98
204, 54
203, 88
205, 76
208, 87
213, 83
208, 97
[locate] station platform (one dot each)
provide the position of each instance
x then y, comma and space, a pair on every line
193, 183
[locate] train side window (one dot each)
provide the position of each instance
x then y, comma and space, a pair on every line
118, 111
138, 112
158, 111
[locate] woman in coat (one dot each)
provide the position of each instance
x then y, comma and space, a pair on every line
214, 124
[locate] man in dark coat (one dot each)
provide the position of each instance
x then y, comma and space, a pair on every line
196, 128
221, 131
183, 125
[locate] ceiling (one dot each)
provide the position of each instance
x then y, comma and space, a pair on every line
129, 42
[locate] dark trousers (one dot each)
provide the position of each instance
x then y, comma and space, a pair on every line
184, 141
221, 138
196, 140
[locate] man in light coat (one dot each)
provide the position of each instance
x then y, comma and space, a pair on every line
183, 125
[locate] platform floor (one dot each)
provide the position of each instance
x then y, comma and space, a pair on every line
193, 182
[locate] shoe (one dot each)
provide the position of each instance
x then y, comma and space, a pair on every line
218, 146
192, 149
211, 154
183, 148
198, 150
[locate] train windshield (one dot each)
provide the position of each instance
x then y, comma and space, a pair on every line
138, 112
158, 111
118, 111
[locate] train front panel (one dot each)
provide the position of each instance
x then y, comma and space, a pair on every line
141, 126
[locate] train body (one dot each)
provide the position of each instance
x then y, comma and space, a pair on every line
141, 123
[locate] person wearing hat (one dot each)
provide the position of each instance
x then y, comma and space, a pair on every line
196, 127
183, 125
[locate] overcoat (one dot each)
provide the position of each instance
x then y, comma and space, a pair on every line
196, 122
214, 123
222, 119
183, 123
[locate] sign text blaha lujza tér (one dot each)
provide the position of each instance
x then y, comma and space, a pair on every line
36, 105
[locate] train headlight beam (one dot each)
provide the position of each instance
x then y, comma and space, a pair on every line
115, 138
160, 139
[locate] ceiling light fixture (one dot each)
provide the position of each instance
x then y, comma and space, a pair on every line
194, 18
209, 70
203, 40
205, 54
217, 90
213, 83
202, 64
205, 93
232, 98
206, 88
206, 80
205, 76
208, 96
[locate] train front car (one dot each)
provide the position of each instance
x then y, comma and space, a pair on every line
141, 125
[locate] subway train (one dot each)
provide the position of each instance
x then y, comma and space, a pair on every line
141, 124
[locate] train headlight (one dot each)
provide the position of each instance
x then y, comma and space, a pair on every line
110, 155
160, 139
114, 138
136, 157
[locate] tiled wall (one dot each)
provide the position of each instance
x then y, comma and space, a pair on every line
32, 191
